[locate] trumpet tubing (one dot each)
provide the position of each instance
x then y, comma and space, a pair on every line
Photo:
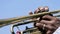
4, 22
35, 29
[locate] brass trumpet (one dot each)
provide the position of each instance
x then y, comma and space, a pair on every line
4, 22
33, 30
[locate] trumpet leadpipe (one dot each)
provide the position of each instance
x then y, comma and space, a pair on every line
4, 22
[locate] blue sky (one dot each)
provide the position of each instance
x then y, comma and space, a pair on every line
15, 8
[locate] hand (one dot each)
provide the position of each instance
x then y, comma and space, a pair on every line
50, 25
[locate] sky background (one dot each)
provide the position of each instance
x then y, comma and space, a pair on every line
15, 8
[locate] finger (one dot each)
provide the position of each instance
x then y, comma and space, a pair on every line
49, 32
30, 12
49, 17
46, 8
47, 27
45, 22
36, 11
41, 9
40, 25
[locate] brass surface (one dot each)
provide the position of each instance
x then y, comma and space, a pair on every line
4, 22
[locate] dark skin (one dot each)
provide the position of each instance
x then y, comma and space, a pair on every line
50, 25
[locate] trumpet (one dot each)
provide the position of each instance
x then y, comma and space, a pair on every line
33, 30
4, 22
